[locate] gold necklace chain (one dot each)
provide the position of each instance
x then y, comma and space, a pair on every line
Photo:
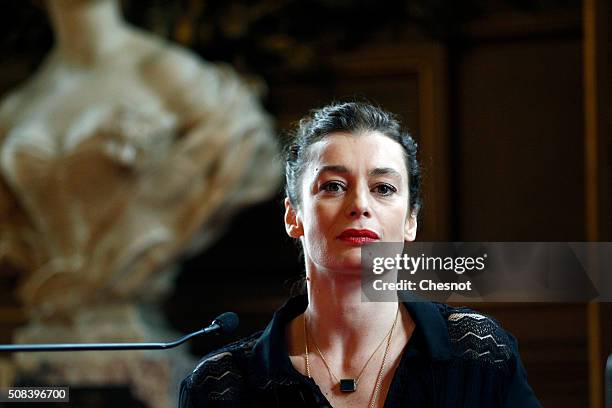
379, 378
307, 335
382, 367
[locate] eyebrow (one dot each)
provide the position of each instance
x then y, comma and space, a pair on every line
332, 169
379, 171
385, 171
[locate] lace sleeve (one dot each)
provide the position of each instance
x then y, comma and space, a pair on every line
220, 378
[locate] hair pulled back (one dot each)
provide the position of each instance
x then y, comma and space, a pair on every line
355, 118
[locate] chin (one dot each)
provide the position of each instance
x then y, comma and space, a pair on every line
350, 264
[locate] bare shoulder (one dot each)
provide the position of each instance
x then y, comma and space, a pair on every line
187, 82
170, 67
166, 60
25, 93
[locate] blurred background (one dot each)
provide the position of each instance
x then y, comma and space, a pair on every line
509, 100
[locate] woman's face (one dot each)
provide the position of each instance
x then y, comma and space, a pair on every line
354, 191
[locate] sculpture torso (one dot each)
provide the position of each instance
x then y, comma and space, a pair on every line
117, 165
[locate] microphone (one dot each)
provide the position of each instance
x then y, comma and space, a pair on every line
223, 324
226, 322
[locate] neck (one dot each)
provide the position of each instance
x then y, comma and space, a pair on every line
337, 316
86, 30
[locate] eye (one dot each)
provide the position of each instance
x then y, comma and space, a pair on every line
385, 189
333, 187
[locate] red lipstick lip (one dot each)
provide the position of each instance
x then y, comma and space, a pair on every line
358, 233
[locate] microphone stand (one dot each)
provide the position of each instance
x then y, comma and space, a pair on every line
225, 323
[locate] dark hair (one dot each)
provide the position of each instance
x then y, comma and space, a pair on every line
352, 117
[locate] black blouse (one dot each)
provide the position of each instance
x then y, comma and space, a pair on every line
454, 358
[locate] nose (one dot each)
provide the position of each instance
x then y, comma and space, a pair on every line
359, 204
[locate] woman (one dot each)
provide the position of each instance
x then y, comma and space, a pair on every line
351, 178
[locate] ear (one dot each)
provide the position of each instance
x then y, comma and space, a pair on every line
410, 228
293, 224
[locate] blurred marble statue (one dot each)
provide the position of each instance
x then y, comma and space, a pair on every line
121, 153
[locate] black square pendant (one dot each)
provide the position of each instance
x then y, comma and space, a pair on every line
348, 385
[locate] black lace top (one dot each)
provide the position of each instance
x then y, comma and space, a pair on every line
455, 358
